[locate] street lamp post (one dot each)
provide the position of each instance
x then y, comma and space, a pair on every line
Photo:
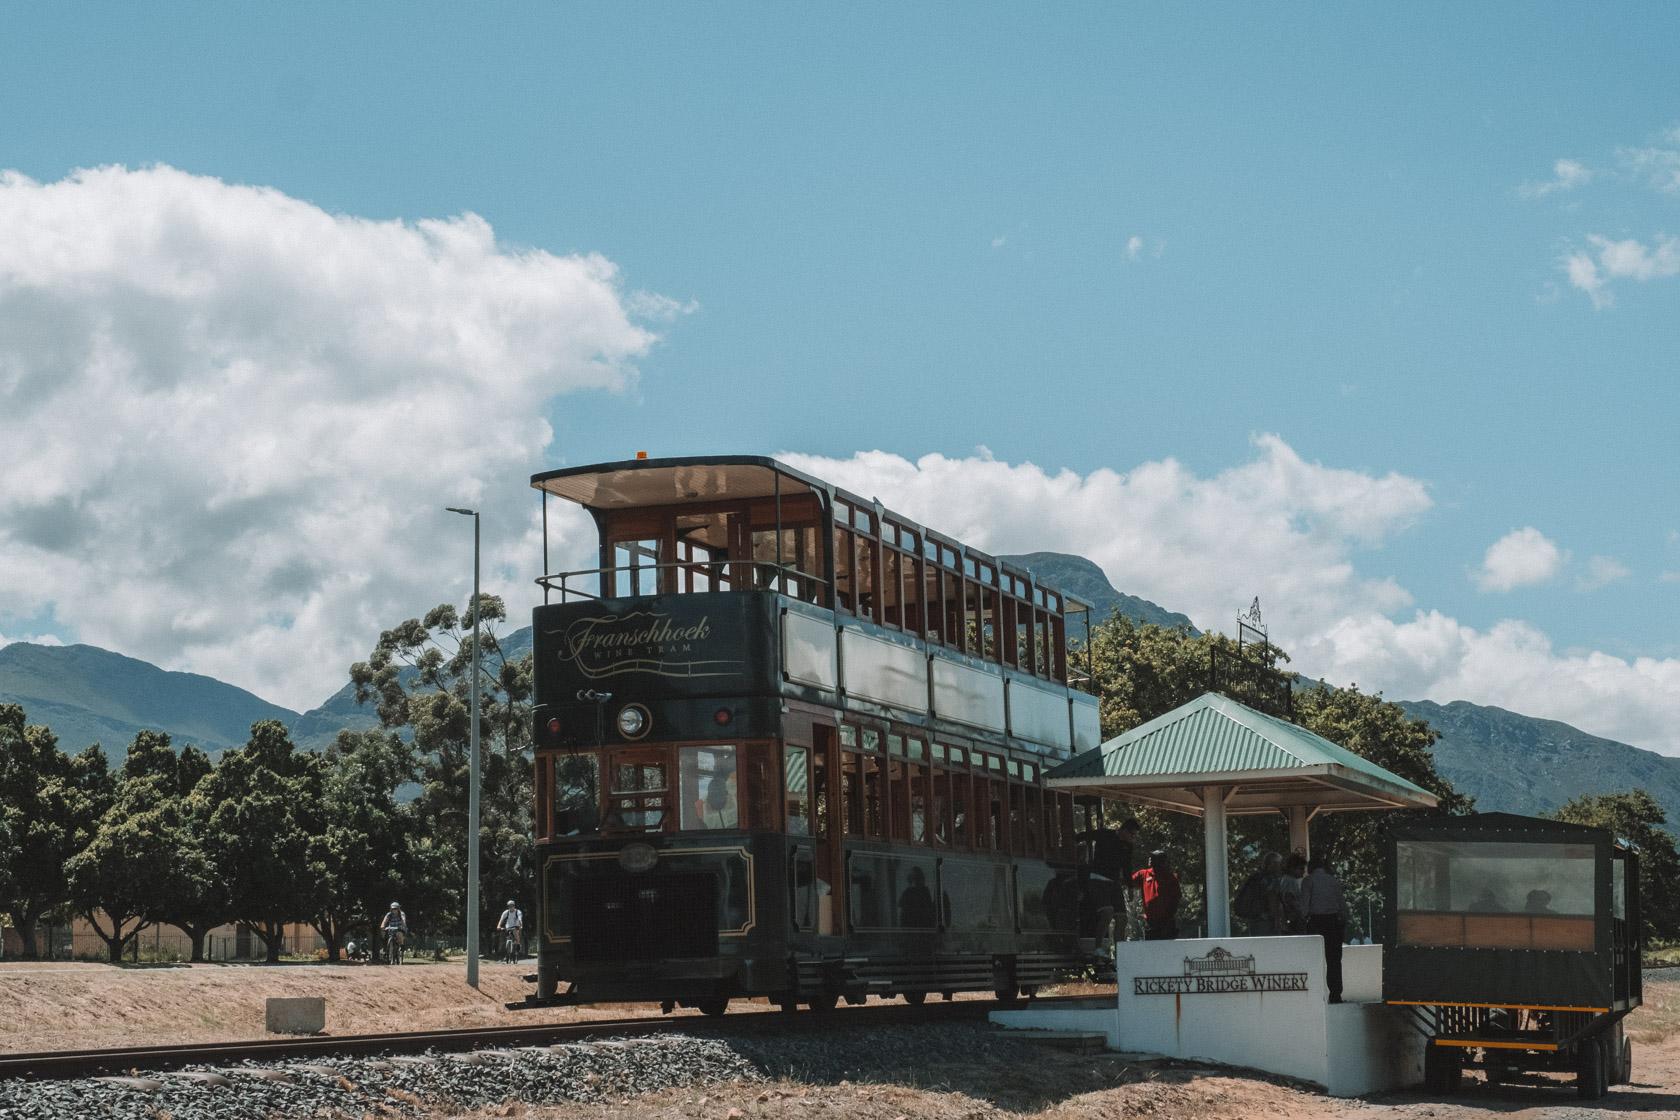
472, 776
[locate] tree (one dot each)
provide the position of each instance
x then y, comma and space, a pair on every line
371, 854
50, 804
196, 900
119, 880
265, 831
1637, 818
419, 675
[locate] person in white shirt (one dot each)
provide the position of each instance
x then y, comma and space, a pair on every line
1325, 911
513, 923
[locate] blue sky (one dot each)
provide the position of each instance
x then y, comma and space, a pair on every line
1084, 237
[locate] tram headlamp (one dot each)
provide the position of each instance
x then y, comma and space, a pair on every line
633, 721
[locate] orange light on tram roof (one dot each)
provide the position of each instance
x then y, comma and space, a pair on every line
641, 454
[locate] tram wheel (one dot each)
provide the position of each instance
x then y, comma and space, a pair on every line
915, 999
824, 1001
713, 1006
1591, 1076
787, 1003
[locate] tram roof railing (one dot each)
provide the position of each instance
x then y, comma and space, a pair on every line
735, 575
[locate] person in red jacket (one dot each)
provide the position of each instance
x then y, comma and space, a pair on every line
1158, 884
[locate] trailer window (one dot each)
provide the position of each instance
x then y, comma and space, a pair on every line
710, 787
1495, 895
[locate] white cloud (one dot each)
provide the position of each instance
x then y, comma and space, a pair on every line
1658, 164
1567, 174
1602, 570
1521, 558
1619, 260
1000, 241
1669, 577
1134, 248
229, 420
1288, 531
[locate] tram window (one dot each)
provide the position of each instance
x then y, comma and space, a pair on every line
913, 748
1012, 768
988, 645
964, 832
635, 568
848, 736
974, 620
919, 804
710, 787
1011, 634
898, 799
956, 620
871, 739
638, 791
939, 810
912, 593
892, 587
957, 757
851, 794
895, 744
1017, 818
1035, 821
1058, 648
874, 824
796, 783
1044, 660
865, 572
1064, 815
819, 796
577, 793
997, 812
845, 594
933, 612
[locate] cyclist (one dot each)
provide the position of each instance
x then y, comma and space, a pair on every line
393, 927
512, 923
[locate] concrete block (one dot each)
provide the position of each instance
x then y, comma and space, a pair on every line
297, 1014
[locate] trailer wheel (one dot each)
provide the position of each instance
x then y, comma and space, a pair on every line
1625, 1073
1443, 1069
1591, 1076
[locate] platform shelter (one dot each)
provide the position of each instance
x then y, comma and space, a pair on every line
1215, 758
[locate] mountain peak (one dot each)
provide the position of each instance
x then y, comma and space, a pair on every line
1087, 582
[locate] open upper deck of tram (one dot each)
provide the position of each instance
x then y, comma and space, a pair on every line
916, 622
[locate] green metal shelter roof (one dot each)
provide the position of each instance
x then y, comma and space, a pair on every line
1260, 763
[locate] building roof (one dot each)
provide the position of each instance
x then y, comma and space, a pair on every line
1262, 763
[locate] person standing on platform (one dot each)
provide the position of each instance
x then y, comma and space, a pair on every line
1289, 893
1113, 859
1158, 886
1326, 910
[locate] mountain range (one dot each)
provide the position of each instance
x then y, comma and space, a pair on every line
1510, 762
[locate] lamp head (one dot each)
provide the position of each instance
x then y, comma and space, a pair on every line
467, 512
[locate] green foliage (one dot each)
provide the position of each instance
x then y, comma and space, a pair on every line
50, 805
1637, 818
264, 830
132, 860
419, 676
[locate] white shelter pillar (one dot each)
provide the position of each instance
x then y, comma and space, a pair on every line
1218, 862
1298, 842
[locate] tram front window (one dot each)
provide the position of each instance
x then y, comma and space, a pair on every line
577, 794
710, 787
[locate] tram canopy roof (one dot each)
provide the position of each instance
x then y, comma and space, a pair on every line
648, 482
1261, 763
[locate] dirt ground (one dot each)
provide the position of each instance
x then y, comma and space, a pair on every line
73, 1006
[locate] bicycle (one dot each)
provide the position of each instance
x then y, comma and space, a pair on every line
511, 949
393, 946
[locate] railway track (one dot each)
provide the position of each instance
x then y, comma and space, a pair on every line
65, 1064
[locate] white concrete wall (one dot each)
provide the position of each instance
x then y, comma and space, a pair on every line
1279, 1019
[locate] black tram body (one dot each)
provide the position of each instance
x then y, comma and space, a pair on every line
1514, 942
792, 745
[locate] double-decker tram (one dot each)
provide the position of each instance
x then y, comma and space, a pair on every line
791, 744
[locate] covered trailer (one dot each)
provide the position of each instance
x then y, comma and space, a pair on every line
1514, 943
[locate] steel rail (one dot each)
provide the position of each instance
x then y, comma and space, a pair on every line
64, 1064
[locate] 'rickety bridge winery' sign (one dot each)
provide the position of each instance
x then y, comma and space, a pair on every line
1219, 973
